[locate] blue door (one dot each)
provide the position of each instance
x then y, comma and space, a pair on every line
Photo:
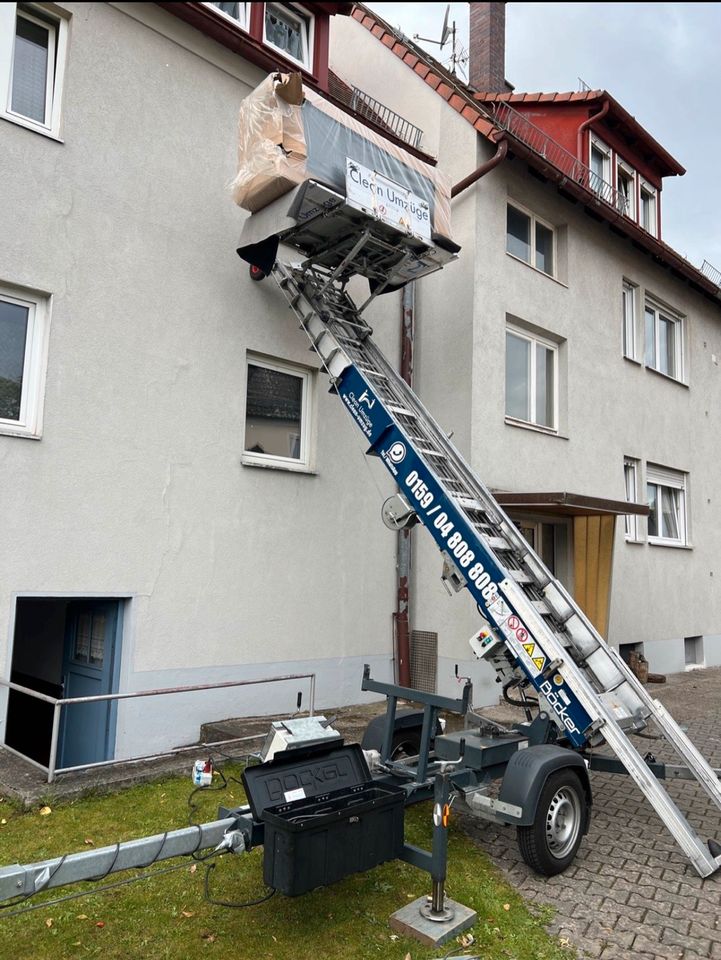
87, 730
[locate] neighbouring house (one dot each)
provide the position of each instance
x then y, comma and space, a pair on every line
182, 501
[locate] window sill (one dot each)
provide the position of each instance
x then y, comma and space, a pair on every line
30, 125
283, 467
534, 428
666, 376
638, 363
541, 273
635, 540
7, 431
652, 542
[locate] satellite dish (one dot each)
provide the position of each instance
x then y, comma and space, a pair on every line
445, 32
397, 513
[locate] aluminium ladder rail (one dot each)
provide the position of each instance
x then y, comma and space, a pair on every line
546, 638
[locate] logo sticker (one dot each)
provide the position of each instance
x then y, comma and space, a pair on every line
397, 452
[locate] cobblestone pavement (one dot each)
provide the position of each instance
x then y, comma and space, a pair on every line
630, 892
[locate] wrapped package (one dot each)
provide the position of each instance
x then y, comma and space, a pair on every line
289, 134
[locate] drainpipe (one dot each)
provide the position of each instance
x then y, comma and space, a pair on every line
482, 170
403, 550
584, 126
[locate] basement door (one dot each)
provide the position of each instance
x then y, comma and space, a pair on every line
90, 661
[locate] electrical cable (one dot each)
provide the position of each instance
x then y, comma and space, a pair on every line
228, 903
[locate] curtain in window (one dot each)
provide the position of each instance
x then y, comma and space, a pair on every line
670, 513
30, 69
283, 32
13, 336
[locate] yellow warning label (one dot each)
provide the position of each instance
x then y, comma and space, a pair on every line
529, 648
539, 661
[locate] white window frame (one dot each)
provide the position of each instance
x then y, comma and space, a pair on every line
534, 339
627, 170
630, 480
606, 175
533, 220
57, 56
241, 21
679, 323
629, 298
652, 193
303, 464
306, 19
661, 477
30, 422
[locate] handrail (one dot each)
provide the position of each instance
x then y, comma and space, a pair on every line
537, 140
709, 270
58, 703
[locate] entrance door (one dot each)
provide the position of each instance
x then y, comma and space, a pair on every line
87, 732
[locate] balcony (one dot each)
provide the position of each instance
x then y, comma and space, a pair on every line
539, 142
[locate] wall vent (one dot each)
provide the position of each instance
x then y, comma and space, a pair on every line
424, 660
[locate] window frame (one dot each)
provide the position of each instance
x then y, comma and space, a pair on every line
57, 24
668, 478
607, 174
243, 23
307, 19
304, 463
30, 421
629, 338
652, 193
679, 322
534, 339
533, 221
631, 468
629, 172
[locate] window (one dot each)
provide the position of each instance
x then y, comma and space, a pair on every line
664, 341
236, 11
290, 30
277, 415
648, 208
630, 480
23, 357
628, 304
531, 375
32, 45
666, 495
530, 239
600, 164
626, 189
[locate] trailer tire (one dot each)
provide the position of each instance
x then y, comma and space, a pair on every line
550, 844
406, 743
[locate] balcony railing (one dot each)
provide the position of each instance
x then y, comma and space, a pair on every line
542, 145
367, 106
711, 272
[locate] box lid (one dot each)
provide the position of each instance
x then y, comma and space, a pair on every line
302, 774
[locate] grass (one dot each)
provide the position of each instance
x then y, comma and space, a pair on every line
168, 917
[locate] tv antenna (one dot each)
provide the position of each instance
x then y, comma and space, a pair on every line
459, 56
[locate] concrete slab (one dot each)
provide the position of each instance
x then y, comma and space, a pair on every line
410, 922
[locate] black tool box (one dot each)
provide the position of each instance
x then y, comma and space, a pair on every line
332, 821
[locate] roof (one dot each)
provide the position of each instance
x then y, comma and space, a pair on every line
569, 504
463, 99
617, 116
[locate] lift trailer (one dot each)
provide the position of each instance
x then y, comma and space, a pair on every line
324, 809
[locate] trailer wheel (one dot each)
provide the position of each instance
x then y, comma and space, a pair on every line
256, 273
551, 843
406, 743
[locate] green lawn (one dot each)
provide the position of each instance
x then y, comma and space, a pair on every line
168, 917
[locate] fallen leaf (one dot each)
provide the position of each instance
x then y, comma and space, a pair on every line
100, 923
408, 957
506, 906
44, 811
49, 922
88, 842
565, 942
187, 913
82, 916
466, 939
3, 821
194, 868
394, 937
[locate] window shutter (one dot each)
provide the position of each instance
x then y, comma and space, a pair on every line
666, 477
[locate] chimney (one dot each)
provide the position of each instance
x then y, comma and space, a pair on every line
487, 54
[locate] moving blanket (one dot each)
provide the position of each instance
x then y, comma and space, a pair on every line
288, 133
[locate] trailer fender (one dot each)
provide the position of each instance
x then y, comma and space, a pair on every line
527, 773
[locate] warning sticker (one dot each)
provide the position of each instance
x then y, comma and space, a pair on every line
540, 662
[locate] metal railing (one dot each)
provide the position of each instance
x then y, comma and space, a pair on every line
544, 146
711, 272
367, 106
59, 702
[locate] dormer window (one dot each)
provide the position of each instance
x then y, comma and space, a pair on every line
600, 163
626, 189
648, 213
237, 12
290, 30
